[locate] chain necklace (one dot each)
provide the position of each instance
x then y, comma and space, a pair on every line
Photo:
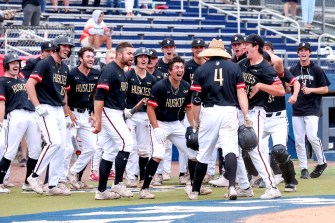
174, 91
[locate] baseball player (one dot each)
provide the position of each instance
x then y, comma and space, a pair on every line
238, 47
46, 50
219, 87
17, 114
276, 124
140, 83
261, 80
307, 110
151, 68
166, 98
46, 88
82, 83
168, 48
110, 109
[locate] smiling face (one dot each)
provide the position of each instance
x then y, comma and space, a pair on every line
14, 68
304, 54
87, 60
177, 71
197, 50
168, 52
64, 51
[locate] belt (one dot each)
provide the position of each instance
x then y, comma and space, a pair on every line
207, 105
79, 110
268, 115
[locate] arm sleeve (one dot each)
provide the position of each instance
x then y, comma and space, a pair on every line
39, 70
103, 85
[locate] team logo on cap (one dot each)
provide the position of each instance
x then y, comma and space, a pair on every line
143, 50
69, 39
236, 38
150, 52
198, 41
303, 44
49, 45
168, 41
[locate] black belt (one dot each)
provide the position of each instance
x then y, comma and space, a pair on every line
268, 115
80, 110
207, 105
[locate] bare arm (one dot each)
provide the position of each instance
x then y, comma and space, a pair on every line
274, 89
190, 116
318, 90
243, 100
2, 111
152, 116
196, 113
98, 106
296, 89
277, 63
67, 110
31, 91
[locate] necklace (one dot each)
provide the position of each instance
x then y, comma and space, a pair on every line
174, 91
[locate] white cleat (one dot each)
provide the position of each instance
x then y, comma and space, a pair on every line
146, 194
106, 195
271, 193
35, 184
220, 182
122, 190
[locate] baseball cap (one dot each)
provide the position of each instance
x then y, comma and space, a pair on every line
269, 44
238, 38
153, 53
47, 46
254, 38
305, 45
198, 42
167, 42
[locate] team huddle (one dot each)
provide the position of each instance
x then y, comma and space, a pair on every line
127, 118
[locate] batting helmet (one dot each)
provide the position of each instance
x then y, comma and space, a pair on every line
62, 40
192, 138
247, 138
141, 51
11, 57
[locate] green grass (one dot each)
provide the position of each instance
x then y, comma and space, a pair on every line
18, 203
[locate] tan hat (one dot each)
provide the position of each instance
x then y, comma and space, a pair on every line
215, 49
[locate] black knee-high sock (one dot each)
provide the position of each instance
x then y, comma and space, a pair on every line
150, 171
31, 163
274, 165
4, 166
231, 167
142, 162
221, 160
80, 174
46, 179
191, 169
104, 170
200, 172
120, 165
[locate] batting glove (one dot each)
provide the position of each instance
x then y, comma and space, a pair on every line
42, 112
160, 135
247, 121
127, 113
68, 122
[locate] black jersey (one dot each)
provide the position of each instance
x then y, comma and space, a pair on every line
52, 81
235, 60
168, 101
163, 67
81, 88
190, 68
275, 104
217, 81
13, 92
112, 87
312, 77
30, 65
158, 75
259, 73
138, 88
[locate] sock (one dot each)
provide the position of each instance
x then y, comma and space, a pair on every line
4, 166
80, 174
200, 172
149, 172
231, 164
221, 161
191, 169
46, 179
31, 163
120, 165
274, 165
181, 174
142, 161
104, 170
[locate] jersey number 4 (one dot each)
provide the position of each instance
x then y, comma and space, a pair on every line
218, 76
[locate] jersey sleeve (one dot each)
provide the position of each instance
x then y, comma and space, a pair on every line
239, 78
2, 90
322, 79
103, 85
196, 85
153, 98
188, 99
289, 78
270, 76
40, 69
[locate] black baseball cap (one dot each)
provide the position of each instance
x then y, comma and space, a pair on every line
305, 45
167, 42
153, 53
256, 39
269, 44
238, 38
47, 46
228, 50
198, 42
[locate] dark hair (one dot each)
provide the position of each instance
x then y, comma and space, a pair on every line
121, 46
83, 50
176, 59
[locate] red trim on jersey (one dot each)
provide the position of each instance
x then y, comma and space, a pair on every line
196, 88
189, 105
240, 85
67, 88
276, 82
2, 98
281, 75
21, 75
293, 80
104, 86
152, 103
36, 77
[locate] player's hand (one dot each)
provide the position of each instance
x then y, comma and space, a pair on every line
127, 113
306, 90
42, 112
247, 121
97, 128
91, 120
292, 100
160, 135
68, 122
73, 119
255, 90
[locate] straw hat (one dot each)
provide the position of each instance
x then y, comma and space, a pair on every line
215, 49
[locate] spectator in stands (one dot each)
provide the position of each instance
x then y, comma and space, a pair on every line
114, 4
307, 8
66, 4
130, 5
95, 4
96, 32
293, 4
31, 12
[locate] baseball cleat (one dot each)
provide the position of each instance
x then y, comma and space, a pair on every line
157, 180
35, 184
64, 188
205, 190
122, 190
220, 182
232, 194
318, 170
84, 185
8, 184
166, 176
3, 189
304, 174
145, 194
26, 187
131, 183
106, 195
56, 191
73, 179
278, 179
290, 188
207, 178
184, 179
245, 192
271, 193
